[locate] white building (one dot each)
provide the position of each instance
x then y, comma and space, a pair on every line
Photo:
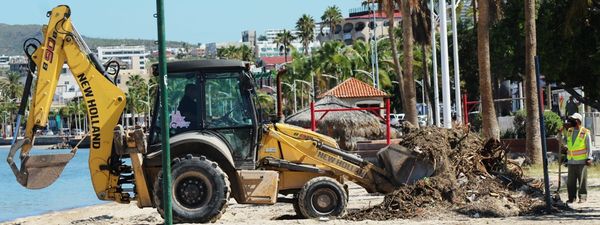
269, 49
66, 89
133, 56
4, 61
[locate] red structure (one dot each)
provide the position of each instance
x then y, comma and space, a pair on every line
313, 120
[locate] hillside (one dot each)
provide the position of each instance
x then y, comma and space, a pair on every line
12, 37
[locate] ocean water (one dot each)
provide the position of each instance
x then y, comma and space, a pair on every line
71, 190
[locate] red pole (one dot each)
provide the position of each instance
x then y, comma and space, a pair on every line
313, 123
465, 108
388, 130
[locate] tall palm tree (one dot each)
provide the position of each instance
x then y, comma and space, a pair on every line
306, 27
136, 94
284, 41
332, 17
486, 15
65, 113
389, 7
407, 45
421, 26
531, 99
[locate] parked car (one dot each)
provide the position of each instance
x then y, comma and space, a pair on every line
396, 119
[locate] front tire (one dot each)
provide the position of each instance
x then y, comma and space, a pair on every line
322, 197
199, 189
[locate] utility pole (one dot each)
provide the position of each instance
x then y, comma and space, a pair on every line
166, 148
436, 94
457, 94
376, 57
445, 67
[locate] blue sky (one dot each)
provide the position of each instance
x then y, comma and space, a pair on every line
186, 20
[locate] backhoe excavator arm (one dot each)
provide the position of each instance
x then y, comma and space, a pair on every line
104, 104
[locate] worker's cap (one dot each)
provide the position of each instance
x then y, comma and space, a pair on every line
576, 116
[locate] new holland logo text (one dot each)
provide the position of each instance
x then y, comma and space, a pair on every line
92, 111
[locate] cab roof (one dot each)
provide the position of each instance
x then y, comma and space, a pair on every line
201, 65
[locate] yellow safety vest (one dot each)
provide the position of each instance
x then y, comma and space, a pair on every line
577, 148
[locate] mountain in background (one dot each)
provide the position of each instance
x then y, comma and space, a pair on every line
13, 36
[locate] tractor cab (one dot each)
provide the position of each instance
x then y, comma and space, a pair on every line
213, 97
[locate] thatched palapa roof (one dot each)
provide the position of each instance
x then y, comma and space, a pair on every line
342, 125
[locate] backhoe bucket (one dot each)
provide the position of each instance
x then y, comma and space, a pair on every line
404, 166
37, 171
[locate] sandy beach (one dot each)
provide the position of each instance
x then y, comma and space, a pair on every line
281, 213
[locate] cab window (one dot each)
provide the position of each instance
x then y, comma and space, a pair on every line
182, 104
225, 105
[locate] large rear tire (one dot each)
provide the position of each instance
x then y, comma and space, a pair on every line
322, 197
200, 190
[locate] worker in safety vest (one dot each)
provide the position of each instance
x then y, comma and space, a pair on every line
579, 157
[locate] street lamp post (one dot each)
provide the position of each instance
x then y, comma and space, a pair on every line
293, 88
366, 73
274, 90
333, 77
148, 104
305, 82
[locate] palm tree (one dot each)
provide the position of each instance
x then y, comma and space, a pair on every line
407, 45
284, 41
332, 17
136, 94
389, 7
531, 99
306, 27
246, 53
421, 26
486, 15
65, 113
11, 84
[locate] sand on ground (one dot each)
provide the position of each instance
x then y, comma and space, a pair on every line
282, 213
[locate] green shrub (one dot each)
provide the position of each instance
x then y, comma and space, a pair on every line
519, 123
508, 134
552, 121
475, 121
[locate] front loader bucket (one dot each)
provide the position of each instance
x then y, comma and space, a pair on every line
404, 166
38, 171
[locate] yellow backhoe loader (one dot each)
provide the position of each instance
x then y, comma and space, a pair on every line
220, 146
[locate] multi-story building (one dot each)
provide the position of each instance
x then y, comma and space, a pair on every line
133, 56
269, 49
249, 36
132, 61
360, 25
4, 61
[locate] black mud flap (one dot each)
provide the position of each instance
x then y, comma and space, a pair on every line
404, 166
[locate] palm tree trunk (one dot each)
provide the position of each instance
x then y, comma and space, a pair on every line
306, 43
489, 121
426, 85
409, 82
534, 149
393, 45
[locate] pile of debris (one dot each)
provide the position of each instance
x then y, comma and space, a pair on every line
471, 177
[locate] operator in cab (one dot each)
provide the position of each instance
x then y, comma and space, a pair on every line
187, 105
